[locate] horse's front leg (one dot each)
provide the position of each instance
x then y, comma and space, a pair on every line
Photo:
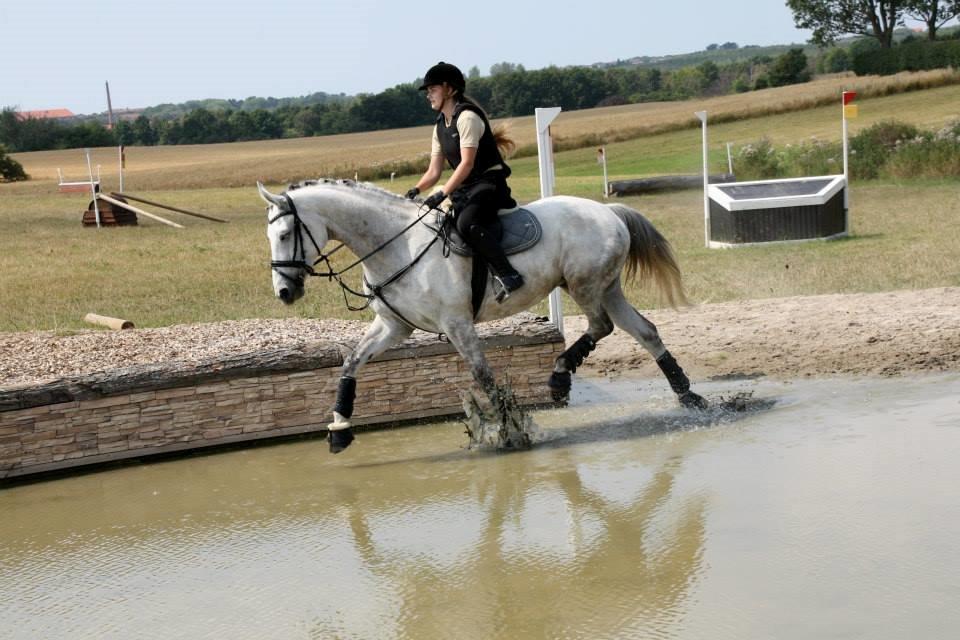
380, 336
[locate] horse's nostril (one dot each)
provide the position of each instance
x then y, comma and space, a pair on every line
284, 294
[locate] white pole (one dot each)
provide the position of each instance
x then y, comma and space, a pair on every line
93, 188
120, 160
706, 179
846, 170
729, 159
544, 116
606, 183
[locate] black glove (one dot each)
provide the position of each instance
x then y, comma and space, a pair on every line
435, 199
413, 193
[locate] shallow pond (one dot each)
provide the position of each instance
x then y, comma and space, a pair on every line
826, 509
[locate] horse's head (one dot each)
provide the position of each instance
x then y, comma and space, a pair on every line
293, 246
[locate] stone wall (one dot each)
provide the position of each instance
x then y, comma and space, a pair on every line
163, 408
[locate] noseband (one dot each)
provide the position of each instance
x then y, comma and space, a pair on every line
299, 247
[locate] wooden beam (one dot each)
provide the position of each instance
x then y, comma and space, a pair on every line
116, 324
166, 206
125, 205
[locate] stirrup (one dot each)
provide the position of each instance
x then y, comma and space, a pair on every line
508, 284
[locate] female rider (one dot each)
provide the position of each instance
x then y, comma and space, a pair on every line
478, 187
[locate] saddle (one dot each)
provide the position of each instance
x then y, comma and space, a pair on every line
520, 230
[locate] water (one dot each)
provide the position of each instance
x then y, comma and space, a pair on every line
828, 510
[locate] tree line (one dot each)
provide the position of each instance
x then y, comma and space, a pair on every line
509, 92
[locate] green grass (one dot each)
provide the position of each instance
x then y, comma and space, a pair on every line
906, 235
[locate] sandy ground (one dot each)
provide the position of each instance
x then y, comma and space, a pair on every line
883, 334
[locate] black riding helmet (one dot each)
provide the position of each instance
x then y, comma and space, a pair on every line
444, 72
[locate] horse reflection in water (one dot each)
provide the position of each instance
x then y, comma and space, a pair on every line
553, 556
411, 282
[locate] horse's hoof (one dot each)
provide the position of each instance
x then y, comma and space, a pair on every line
691, 400
560, 383
339, 439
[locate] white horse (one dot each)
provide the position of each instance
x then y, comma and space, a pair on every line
411, 282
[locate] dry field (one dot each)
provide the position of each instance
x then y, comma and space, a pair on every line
906, 236
283, 161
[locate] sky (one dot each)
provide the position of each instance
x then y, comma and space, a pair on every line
59, 54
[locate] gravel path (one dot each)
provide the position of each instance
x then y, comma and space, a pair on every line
887, 333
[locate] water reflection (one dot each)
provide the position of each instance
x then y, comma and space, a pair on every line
629, 520
585, 535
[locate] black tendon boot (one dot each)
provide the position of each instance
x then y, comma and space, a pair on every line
483, 242
340, 439
679, 382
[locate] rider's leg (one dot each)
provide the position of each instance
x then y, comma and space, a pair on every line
473, 223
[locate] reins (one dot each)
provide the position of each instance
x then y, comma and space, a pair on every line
377, 289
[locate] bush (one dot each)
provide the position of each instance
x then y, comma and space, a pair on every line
10, 169
928, 155
871, 148
757, 161
813, 158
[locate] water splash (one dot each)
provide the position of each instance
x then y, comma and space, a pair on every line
498, 423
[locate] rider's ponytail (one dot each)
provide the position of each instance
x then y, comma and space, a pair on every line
501, 132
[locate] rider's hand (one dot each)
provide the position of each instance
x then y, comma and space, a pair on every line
413, 193
435, 199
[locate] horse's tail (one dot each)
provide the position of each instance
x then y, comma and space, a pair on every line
651, 256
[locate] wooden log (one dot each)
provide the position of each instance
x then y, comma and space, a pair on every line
664, 183
106, 321
166, 206
139, 211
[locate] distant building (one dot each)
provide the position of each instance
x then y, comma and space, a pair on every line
46, 114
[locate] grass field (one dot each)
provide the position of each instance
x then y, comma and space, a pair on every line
53, 271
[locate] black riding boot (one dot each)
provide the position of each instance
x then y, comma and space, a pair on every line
484, 243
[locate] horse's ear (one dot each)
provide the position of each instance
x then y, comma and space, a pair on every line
269, 198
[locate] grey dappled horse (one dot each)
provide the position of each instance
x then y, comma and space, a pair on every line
411, 282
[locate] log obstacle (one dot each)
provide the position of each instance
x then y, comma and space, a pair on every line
127, 196
137, 210
117, 324
657, 184
110, 215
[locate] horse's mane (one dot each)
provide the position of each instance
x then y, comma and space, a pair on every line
365, 187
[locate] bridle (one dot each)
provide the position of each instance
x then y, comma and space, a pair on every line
299, 261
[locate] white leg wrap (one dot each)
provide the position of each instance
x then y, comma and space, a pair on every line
339, 423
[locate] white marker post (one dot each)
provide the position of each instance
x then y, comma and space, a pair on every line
93, 187
602, 159
544, 116
122, 158
849, 111
706, 179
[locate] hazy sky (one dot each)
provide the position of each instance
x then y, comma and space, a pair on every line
58, 54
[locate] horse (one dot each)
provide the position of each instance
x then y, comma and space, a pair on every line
411, 281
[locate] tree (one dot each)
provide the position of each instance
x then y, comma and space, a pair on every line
830, 19
789, 68
934, 13
473, 73
506, 67
10, 169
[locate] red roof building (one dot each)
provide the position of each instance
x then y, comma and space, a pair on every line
45, 114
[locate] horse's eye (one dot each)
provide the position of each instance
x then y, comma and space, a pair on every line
284, 236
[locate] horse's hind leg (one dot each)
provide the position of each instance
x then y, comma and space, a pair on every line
626, 317
599, 326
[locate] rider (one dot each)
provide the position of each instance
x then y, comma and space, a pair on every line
478, 187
